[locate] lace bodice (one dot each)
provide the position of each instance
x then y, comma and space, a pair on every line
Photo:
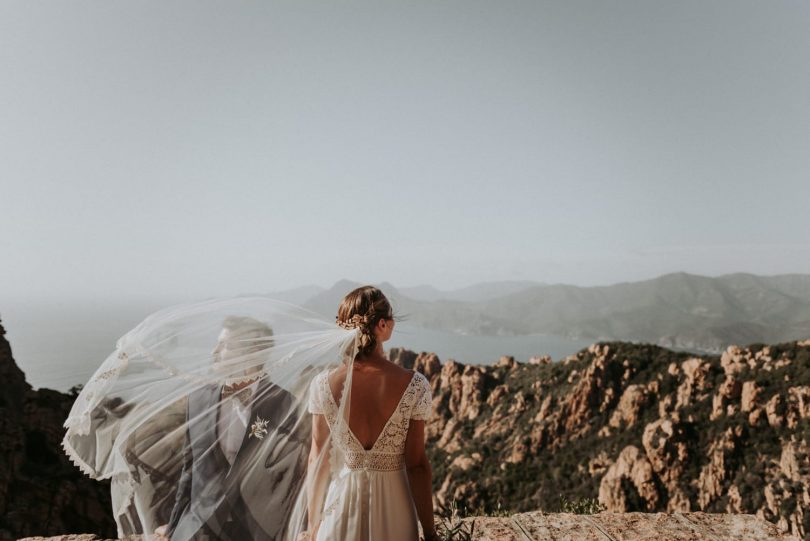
388, 451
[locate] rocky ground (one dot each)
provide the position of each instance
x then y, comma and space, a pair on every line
537, 526
639, 427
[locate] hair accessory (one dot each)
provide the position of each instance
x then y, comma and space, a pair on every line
354, 322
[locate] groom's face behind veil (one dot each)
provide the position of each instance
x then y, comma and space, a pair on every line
242, 348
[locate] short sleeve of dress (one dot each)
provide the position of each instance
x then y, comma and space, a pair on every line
422, 408
315, 404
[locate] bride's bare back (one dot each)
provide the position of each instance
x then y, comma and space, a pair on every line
377, 387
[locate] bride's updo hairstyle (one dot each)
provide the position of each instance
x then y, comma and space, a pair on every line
362, 308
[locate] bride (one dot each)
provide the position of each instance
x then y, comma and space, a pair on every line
251, 418
385, 480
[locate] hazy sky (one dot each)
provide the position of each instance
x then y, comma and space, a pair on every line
213, 148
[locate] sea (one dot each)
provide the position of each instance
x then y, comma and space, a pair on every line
60, 344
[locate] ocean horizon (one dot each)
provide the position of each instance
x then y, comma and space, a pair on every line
59, 345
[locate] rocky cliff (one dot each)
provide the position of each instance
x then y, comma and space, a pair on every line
41, 492
638, 426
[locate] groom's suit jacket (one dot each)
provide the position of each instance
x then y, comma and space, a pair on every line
251, 499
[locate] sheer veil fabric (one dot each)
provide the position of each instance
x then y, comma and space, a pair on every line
200, 420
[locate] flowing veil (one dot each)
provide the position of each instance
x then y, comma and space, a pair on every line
199, 419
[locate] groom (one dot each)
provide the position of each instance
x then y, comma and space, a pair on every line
235, 433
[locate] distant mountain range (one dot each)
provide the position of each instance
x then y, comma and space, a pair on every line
678, 310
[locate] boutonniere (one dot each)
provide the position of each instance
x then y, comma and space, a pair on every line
258, 428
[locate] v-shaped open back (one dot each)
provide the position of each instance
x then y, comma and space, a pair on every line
388, 451
396, 411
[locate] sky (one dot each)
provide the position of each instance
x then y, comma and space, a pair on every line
184, 149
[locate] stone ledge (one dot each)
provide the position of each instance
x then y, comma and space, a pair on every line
538, 526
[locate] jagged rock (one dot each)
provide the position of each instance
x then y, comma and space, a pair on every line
41, 492
714, 474
666, 406
634, 398
665, 444
545, 408
787, 495
460, 492
450, 437
755, 417
450, 384
498, 394
403, 357
695, 371
518, 453
518, 404
728, 391
794, 461
631, 465
507, 361
734, 500
673, 370
599, 464
733, 360
472, 385
542, 359
798, 405
465, 384
428, 364
596, 391
750, 394
772, 411
597, 397
465, 463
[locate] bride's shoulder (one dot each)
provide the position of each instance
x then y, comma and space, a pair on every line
420, 379
406, 375
414, 377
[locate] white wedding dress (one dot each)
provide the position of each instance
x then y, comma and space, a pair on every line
369, 498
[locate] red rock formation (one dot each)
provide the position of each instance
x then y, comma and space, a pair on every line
634, 469
646, 428
714, 474
632, 401
750, 393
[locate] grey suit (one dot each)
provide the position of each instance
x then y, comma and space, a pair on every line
251, 499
